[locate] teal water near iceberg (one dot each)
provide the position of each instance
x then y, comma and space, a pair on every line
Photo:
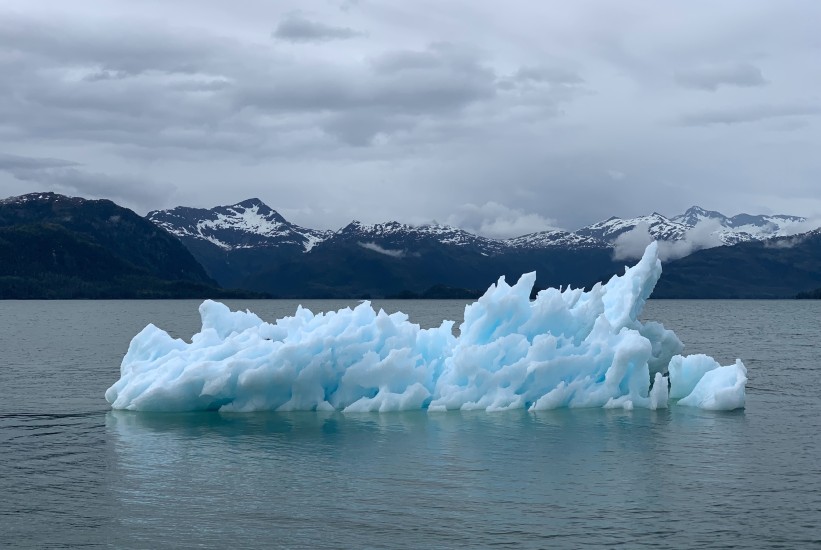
75, 473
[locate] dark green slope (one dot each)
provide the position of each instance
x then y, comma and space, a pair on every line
335, 269
231, 268
777, 268
52, 246
810, 295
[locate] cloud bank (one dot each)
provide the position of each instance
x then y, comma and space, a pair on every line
410, 111
498, 221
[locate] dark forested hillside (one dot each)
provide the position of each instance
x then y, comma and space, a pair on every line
347, 269
777, 268
52, 246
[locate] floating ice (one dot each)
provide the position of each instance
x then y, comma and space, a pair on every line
565, 349
701, 382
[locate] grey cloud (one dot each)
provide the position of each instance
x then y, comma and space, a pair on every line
360, 128
791, 241
745, 114
114, 50
631, 244
131, 86
711, 77
209, 110
552, 74
178, 93
201, 85
205, 97
68, 177
787, 124
16, 163
439, 81
406, 60
703, 235
435, 91
296, 28
347, 5
457, 59
499, 221
616, 175
106, 75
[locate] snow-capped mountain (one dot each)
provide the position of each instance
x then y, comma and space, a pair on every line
729, 230
660, 227
744, 227
249, 245
47, 197
696, 214
252, 224
555, 239
400, 236
248, 224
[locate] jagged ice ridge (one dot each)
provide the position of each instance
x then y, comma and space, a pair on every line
567, 348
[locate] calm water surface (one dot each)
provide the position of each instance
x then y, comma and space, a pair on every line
75, 473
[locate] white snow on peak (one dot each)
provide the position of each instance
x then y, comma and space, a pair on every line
565, 349
248, 224
555, 238
33, 197
443, 234
242, 220
252, 224
727, 230
313, 238
659, 227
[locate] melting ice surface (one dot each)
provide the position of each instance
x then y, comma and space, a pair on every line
565, 349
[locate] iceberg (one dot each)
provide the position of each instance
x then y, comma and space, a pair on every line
701, 382
566, 348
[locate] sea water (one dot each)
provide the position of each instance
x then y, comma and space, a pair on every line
73, 472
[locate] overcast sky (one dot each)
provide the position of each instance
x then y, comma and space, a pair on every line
502, 117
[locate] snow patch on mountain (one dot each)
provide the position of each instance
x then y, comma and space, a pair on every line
660, 228
555, 239
393, 235
248, 224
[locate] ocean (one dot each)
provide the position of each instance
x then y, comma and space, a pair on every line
74, 473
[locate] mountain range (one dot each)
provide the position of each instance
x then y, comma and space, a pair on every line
57, 246
253, 224
250, 245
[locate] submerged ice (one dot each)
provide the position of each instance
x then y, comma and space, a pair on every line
567, 348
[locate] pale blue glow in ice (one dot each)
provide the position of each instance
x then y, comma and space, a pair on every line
565, 349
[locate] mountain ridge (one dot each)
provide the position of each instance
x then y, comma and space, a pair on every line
395, 258
54, 246
252, 223
49, 243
